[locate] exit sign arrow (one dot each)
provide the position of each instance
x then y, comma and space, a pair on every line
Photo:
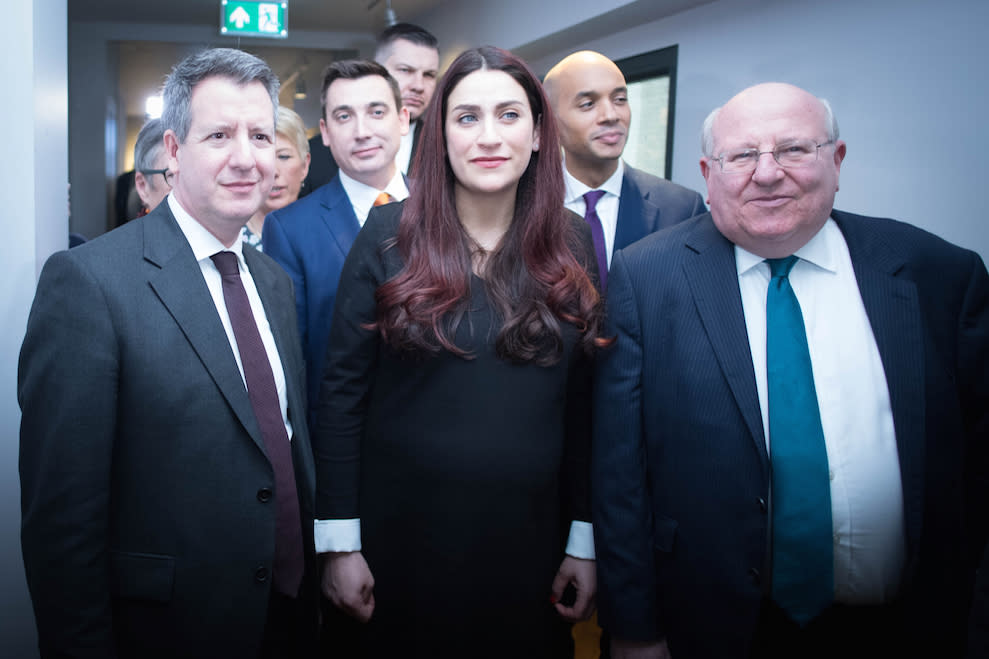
240, 17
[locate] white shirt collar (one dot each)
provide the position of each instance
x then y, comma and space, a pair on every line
575, 189
362, 196
821, 250
203, 243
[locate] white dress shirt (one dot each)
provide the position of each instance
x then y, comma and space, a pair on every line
204, 245
404, 156
866, 491
607, 206
362, 196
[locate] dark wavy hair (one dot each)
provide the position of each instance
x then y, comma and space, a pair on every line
533, 278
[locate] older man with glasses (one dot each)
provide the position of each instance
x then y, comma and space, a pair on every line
790, 442
152, 178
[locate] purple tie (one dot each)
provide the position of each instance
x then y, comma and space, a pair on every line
597, 232
288, 563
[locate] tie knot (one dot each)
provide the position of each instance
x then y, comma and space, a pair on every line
226, 263
383, 198
591, 199
782, 267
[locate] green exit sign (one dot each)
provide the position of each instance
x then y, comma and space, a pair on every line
254, 19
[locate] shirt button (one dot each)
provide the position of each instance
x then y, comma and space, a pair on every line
754, 574
261, 574
264, 495
762, 504
831, 474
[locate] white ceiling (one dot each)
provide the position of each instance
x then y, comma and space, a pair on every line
327, 15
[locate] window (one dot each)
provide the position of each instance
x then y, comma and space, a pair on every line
651, 79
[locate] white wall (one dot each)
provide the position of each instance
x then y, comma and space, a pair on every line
34, 172
907, 80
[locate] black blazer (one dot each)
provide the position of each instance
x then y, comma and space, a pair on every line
680, 469
145, 530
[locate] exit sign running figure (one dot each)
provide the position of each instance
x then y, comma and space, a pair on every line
254, 19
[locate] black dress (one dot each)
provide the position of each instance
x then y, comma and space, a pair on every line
465, 473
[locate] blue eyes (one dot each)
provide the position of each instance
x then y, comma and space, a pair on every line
508, 116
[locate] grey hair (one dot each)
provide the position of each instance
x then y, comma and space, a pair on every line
707, 129
148, 146
236, 65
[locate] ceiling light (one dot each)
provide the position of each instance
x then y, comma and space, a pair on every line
152, 107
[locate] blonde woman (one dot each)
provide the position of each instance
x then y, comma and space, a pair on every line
291, 167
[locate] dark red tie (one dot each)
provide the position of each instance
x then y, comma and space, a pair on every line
591, 200
288, 563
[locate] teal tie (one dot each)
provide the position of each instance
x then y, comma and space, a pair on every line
803, 564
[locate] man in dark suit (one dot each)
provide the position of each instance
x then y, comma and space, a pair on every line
789, 463
411, 55
363, 122
590, 101
167, 478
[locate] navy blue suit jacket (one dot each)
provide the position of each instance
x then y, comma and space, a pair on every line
649, 203
681, 474
310, 239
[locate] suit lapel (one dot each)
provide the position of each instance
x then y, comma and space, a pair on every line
340, 219
416, 136
893, 308
635, 219
179, 284
713, 280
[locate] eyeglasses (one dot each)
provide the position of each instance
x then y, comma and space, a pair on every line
165, 174
789, 154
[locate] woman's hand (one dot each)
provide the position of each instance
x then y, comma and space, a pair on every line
348, 583
582, 573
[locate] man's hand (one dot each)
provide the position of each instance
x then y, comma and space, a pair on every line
347, 582
582, 574
639, 649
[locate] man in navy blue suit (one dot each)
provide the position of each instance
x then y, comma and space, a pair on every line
590, 101
363, 123
688, 442
412, 56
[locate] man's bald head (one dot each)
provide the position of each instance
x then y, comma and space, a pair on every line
590, 100
772, 165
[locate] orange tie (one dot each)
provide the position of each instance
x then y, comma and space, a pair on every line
383, 198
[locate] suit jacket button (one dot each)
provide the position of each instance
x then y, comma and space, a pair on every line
754, 573
762, 504
261, 574
264, 495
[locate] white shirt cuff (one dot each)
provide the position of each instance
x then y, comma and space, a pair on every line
338, 535
580, 544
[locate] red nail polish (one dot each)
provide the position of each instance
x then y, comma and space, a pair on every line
552, 599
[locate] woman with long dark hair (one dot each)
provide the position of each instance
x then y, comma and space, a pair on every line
453, 430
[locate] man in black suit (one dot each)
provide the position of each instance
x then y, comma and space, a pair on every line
411, 55
167, 478
590, 101
710, 425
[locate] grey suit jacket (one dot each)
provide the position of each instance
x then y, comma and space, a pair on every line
145, 527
